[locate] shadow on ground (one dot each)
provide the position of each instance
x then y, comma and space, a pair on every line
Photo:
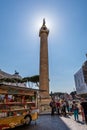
46, 122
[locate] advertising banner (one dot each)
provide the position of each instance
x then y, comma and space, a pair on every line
81, 86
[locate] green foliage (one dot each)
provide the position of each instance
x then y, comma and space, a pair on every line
34, 79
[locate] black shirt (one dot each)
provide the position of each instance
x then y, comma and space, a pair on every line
84, 105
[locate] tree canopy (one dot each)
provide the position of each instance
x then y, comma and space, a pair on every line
34, 79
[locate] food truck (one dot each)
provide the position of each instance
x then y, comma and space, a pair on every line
18, 106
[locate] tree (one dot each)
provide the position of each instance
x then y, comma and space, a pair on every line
34, 79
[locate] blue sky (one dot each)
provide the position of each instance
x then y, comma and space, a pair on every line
20, 21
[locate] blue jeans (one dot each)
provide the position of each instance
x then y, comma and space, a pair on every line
76, 114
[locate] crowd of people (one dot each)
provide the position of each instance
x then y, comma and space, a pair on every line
64, 108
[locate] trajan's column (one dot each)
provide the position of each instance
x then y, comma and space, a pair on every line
44, 66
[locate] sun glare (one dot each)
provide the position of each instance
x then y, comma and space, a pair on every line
38, 21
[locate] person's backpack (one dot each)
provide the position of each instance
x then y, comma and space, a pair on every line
50, 104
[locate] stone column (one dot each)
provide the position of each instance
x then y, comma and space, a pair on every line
44, 66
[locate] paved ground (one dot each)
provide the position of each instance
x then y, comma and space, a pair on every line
48, 122
73, 125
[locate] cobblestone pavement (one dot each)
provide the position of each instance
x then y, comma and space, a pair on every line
48, 122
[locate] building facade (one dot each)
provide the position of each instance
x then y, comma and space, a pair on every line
80, 78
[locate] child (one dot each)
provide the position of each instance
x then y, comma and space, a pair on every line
76, 111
